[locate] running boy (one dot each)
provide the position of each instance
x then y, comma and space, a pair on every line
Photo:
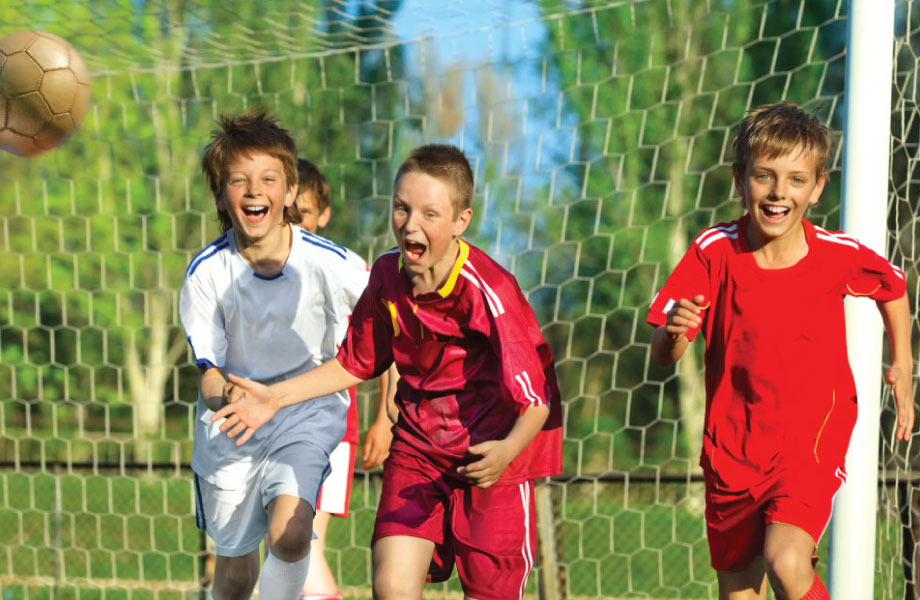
268, 302
479, 411
313, 205
767, 292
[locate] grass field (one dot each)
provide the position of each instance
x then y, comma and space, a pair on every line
96, 535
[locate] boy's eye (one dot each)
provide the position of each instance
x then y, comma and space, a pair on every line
399, 209
430, 214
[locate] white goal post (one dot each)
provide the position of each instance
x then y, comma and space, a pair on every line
867, 135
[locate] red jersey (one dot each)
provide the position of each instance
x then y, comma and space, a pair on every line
779, 389
471, 359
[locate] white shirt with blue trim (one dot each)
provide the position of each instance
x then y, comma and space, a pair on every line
269, 329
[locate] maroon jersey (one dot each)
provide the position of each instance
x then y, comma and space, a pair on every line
471, 359
779, 389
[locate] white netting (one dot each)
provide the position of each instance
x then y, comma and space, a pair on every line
599, 133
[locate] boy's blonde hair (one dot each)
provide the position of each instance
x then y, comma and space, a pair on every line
774, 130
252, 131
446, 163
310, 179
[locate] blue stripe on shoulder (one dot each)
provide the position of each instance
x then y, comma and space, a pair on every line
323, 243
211, 250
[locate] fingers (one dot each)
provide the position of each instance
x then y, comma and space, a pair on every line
248, 434
373, 455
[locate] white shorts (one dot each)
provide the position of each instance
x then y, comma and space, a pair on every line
336, 491
237, 519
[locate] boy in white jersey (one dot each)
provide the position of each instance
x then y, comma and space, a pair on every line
267, 300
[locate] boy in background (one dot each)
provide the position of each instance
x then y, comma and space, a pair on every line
767, 292
479, 410
266, 302
313, 194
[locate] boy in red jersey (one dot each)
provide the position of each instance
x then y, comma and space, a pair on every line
767, 292
479, 408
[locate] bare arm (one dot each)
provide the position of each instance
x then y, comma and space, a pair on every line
669, 342
896, 315
211, 384
496, 454
251, 404
379, 436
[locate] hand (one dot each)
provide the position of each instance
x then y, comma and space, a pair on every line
377, 444
486, 471
901, 381
684, 316
249, 406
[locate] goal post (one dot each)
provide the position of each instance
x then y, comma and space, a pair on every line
870, 40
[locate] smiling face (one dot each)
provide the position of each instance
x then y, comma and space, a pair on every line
426, 228
776, 193
254, 196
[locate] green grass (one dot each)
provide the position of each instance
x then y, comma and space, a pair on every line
100, 535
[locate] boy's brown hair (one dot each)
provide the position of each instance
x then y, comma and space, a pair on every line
446, 163
310, 179
254, 130
773, 130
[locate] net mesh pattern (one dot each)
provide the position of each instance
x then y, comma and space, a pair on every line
599, 134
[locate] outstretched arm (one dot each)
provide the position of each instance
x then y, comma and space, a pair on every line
896, 315
379, 436
669, 342
251, 404
496, 454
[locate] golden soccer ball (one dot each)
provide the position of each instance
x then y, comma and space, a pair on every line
44, 92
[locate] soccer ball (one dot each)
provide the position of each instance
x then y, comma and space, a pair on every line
44, 92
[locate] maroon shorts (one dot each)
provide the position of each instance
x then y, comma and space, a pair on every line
491, 533
736, 522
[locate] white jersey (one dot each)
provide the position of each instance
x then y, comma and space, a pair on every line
268, 329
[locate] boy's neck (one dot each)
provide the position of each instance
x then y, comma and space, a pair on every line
781, 252
434, 278
266, 256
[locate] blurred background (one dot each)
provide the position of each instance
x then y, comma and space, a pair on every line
599, 133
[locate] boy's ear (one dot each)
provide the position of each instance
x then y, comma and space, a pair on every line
323, 219
462, 221
290, 196
220, 202
819, 188
738, 177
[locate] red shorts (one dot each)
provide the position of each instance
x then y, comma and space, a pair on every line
736, 522
490, 533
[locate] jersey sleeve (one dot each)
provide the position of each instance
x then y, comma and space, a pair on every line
354, 276
689, 279
367, 350
515, 335
345, 282
873, 276
203, 321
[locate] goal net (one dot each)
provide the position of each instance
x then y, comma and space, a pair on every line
599, 133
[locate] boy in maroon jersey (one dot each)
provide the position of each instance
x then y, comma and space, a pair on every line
479, 408
767, 292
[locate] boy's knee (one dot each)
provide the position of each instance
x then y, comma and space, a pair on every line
787, 568
292, 544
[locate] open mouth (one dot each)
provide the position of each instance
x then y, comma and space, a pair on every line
774, 213
415, 251
254, 214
